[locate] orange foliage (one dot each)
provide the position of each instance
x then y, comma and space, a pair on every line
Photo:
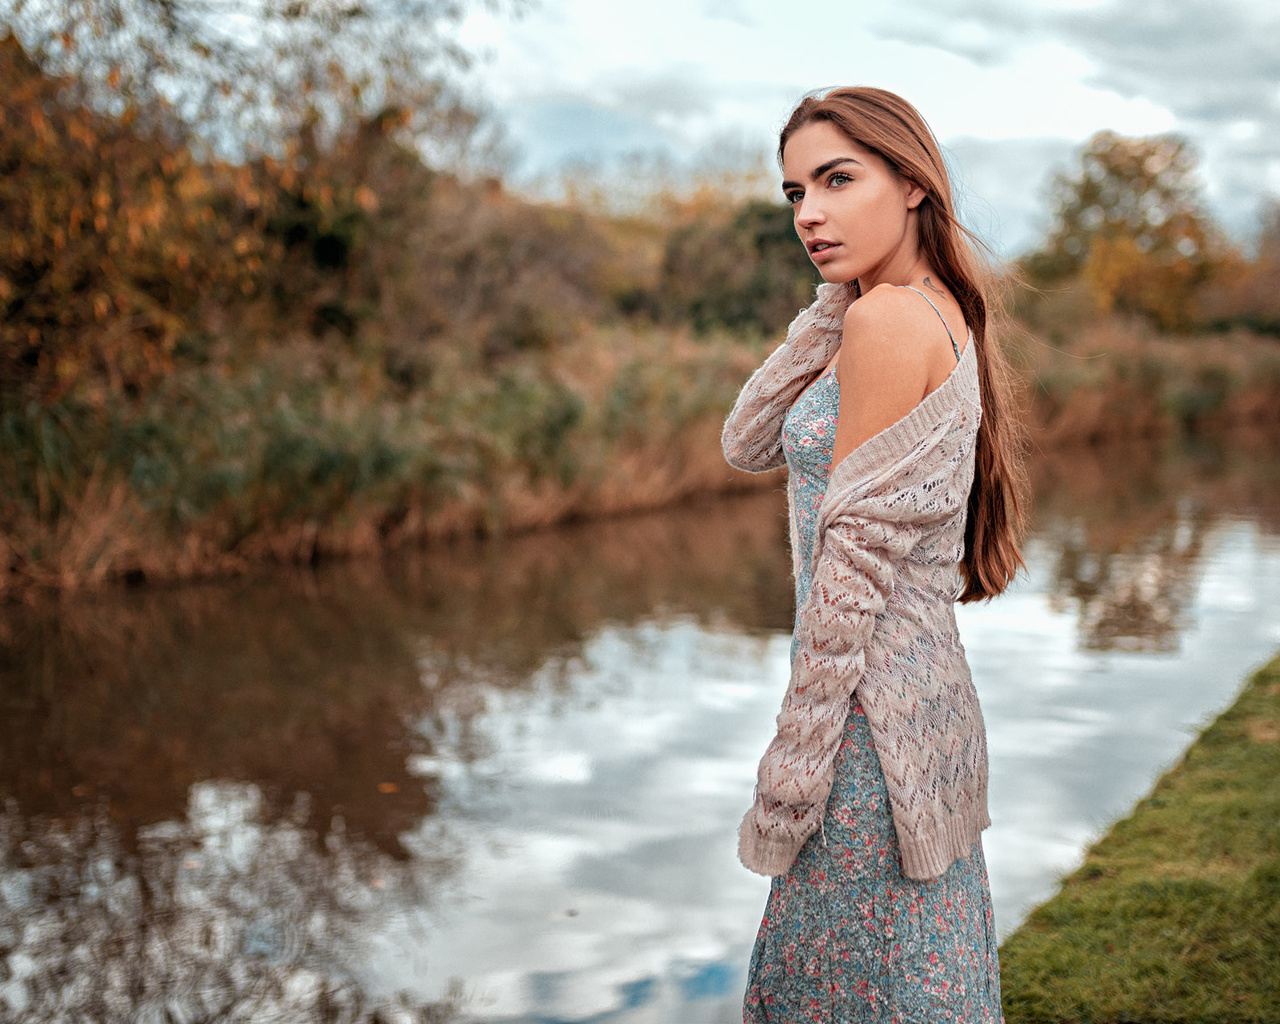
108, 239
1131, 223
1246, 292
1123, 277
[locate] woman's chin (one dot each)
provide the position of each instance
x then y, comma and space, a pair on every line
834, 275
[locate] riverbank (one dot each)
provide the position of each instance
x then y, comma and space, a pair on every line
298, 456
1174, 916
336, 348
480, 703
1096, 382
299, 453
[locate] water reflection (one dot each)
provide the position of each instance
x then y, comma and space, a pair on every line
256, 765
1134, 598
223, 915
500, 782
1128, 526
601, 872
128, 702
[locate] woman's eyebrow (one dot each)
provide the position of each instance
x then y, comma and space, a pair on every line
822, 169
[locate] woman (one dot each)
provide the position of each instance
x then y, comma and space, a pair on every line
890, 406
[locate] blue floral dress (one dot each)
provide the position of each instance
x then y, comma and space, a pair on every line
846, 937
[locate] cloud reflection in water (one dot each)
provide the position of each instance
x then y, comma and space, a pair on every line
504, 779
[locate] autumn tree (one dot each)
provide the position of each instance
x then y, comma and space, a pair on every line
111, 235
252, 77
157, 157
1131, 223
1269, 235
1246, 291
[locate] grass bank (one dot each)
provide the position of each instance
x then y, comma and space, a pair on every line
296, 451
1175, 914
296, 455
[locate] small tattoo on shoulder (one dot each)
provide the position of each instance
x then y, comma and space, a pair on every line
928, 283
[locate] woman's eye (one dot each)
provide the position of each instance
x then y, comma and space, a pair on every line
793, 197
839, 179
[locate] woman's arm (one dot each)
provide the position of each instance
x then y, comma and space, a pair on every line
867, 528
752, 436
885, 371
852, 583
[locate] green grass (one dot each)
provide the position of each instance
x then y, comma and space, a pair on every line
1175, 913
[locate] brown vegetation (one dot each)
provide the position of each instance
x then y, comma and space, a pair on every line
334, 347
1102, 381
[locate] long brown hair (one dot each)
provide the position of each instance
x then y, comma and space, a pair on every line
892, 127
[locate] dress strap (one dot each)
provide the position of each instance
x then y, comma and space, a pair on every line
954, 347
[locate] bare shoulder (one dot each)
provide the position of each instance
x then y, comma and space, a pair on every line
893, 353
889, 323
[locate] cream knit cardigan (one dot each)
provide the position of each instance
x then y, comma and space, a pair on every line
879, 623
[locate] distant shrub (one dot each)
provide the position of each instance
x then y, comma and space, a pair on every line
742, 268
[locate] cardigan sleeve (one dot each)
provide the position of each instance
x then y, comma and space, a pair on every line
752, 435
852, 582
882, 500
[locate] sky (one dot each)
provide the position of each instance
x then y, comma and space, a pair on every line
1012, 88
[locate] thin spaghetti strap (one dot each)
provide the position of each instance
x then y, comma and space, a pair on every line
954, 347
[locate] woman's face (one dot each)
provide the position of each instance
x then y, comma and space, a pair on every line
855, 216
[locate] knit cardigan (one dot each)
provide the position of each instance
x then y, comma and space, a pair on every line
879, 623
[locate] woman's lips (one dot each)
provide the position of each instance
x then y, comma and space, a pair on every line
821, 250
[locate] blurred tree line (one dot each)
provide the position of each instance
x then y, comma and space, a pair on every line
257, 301
1130, 225
256, 282
133, 240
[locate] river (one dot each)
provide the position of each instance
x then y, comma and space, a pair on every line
499, 781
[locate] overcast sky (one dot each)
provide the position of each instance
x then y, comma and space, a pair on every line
1011, 87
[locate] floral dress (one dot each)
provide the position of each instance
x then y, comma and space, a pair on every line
846, 937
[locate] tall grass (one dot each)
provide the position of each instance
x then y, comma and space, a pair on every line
212, 472
1093, 380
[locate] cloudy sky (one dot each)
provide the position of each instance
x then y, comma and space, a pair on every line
1011, 87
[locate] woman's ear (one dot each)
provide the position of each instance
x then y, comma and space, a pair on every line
915, 195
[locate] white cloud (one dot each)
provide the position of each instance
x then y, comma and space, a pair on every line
735, 11
1000, 187
579, 80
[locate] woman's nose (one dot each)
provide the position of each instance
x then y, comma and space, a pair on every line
809, 212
